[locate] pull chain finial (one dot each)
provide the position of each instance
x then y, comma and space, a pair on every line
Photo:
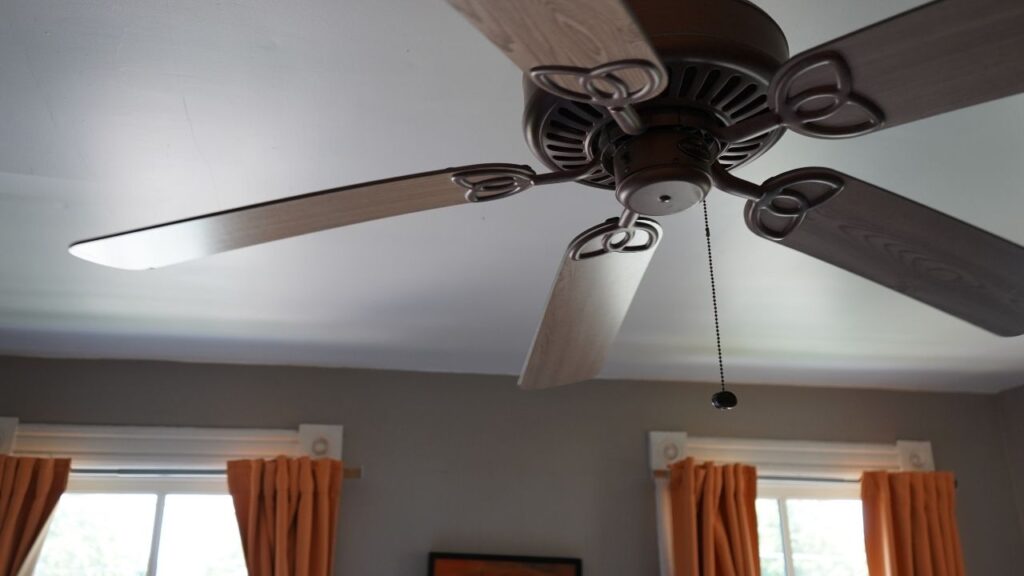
723, 399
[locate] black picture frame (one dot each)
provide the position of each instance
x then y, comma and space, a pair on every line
575, 564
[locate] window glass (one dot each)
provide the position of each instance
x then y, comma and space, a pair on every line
200, 537
827, 537
99, 535
769, 535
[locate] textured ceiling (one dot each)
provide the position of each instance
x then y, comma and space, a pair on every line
119, 114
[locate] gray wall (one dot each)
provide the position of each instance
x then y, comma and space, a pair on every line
470, 463
1011, 417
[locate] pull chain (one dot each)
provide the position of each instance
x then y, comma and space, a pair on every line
723, 399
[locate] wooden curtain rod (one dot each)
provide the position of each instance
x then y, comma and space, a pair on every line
349, 473
666, 474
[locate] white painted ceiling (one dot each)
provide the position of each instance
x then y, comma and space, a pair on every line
116, 114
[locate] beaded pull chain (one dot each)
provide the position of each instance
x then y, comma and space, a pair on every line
723, 399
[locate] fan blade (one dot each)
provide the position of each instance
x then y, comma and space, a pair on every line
578, 33
588, 303
942, 56
191, 238
898, 243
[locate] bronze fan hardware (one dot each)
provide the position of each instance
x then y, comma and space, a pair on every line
604, 87
658, 100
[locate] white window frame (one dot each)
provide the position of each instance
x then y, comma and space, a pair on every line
158, 460
786, 468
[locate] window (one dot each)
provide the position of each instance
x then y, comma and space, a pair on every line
810, 528
124, 526
99, 534
150, 501
809, 513
210, 547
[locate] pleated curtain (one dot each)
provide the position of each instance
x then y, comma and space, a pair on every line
713, 519
287, 511
29, 491
910, 524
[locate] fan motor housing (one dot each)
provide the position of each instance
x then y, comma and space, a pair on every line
664, 170
720, 56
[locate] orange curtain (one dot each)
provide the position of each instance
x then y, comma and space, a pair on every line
714, 525
287, 511
910, 524
29, 491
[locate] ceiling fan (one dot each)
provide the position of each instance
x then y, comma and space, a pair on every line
658, 100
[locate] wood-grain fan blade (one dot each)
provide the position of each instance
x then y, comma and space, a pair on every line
942, 56
589, 301
908, 247
580, 33
191, 238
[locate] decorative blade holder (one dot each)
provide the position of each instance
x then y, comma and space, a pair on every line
604, 87
813, 95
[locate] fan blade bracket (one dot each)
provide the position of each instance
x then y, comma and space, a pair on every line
814, 95
496, 181
729, 183
612, 236
747, 129
776, 207
787, 199
604, 86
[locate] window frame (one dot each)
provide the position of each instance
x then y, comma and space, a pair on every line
787, 469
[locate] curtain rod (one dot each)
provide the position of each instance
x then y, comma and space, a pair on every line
665, 474
349, 473
817, 479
